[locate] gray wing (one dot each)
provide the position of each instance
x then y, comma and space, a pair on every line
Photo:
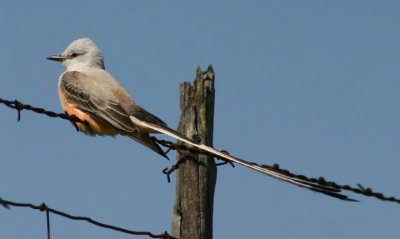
92, 96
104, 99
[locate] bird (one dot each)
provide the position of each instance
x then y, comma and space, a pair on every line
88, 92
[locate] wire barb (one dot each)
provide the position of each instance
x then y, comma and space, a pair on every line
177, 146
48, 222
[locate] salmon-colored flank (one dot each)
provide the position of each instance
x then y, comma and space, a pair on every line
96, 127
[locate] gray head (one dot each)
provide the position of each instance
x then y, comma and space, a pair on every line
81, 53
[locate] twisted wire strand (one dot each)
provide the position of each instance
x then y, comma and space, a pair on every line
175, 146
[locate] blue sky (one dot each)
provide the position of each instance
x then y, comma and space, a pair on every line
311, 85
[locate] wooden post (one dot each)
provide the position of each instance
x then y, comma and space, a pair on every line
196, 175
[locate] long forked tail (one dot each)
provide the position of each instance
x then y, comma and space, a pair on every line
270, 172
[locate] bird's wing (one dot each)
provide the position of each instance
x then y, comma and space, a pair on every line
90, 94
270, 172
105, 100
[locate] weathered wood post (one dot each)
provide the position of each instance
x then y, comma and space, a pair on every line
196, 175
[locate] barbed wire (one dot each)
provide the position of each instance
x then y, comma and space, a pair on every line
275, 167
175, 146
43, 207
15, 104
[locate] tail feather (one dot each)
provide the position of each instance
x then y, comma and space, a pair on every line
270, 172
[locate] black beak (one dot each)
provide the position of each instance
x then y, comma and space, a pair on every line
56, 58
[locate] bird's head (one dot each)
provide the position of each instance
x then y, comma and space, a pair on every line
81, 53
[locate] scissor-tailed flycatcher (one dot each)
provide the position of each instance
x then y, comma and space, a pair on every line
93, 95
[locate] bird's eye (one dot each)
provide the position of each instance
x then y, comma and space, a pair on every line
75, 54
